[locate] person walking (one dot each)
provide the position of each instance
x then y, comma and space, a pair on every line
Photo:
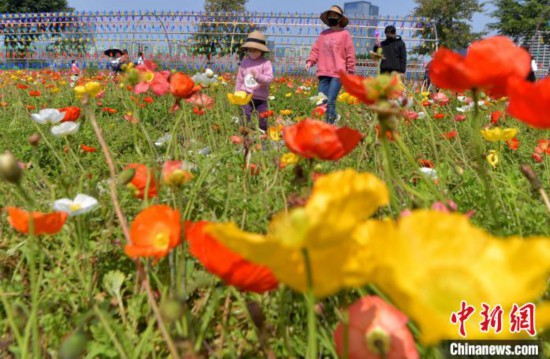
394, 52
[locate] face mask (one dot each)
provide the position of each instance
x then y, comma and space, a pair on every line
333, 22
254, 55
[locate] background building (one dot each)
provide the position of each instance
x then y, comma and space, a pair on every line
368, 13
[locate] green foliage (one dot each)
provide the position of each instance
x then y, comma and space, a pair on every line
31, 6
452, 22
519, 19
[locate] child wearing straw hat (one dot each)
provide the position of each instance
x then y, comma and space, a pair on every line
255, 75
332, 52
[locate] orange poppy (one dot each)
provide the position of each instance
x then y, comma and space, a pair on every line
451, 134
198, 111
229, 266
480, 68
495, 116
389, 134
72, 113
44, 223
154, 232
354, 86
513, 144
529, 102
370, 90
139, 181
439, 116
316, 139
109, 110
35, 93
181, 85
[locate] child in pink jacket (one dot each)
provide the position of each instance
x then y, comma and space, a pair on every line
333, 52
255, 76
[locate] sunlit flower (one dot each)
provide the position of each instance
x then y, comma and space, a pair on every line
41, 223
80, 205
232, 268
288, 159
493, 158
428, 262
176, 173
240, 98
317, 139
143, 180
65, 129
499, 134
339, 202
71, 113
154, 232
50, 115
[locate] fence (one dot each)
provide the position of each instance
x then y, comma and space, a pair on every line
190, 40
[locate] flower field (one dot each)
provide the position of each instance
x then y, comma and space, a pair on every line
144, 218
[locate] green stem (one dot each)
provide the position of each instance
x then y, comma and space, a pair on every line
311, 316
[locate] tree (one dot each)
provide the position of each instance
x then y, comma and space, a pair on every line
222, 34
452, 21
33, 6
21, 33
519, 19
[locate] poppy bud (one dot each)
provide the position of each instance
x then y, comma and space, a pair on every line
126, 176
34, 139
9, 169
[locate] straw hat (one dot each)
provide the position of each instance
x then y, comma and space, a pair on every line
255, 40
344, 21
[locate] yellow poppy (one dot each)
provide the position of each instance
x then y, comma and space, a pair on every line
499, 134
430, 261
343, 97
91, 89
285, 112
274, 132
240, 98
289, 159
493, 158
339, 203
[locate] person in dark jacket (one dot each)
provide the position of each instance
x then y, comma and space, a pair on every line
394, 52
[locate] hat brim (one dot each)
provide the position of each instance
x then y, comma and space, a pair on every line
254, 45
344, 21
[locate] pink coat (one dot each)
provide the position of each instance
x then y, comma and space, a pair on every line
264, 76
333, 52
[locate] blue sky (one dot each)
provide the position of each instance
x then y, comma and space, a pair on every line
393, 7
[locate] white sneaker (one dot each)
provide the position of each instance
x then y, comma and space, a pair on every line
337, 119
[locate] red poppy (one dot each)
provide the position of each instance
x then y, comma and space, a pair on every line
267, 114
410, 115
87, 148
370, 90
138, 183
513, 144
318, 112
530, 102
450, 135
537, 157
425, 163
481, 68
30, 107
376, 330
495, 116
35, 93
130, 118
22, 87
148, 99
316, 139
182, 86
109, 110
198, 111
459, 117
44, 223
72, 113
154, 232
439, 116
229, 266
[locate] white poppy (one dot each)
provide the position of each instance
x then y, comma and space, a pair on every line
421, 115
49, 115
81, 204
271, 98
209, 73
65, 129
428, 172
319, 99
162, 140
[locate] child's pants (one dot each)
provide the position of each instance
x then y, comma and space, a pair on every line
259, 106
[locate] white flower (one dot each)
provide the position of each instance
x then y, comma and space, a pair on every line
271, 98
461, 98
209, 73
162, 140
421, 115
81, 204
65, 129
428, 172
466, 108
319, 99
49, 115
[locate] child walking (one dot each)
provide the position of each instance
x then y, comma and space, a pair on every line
255, 75
332, 52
